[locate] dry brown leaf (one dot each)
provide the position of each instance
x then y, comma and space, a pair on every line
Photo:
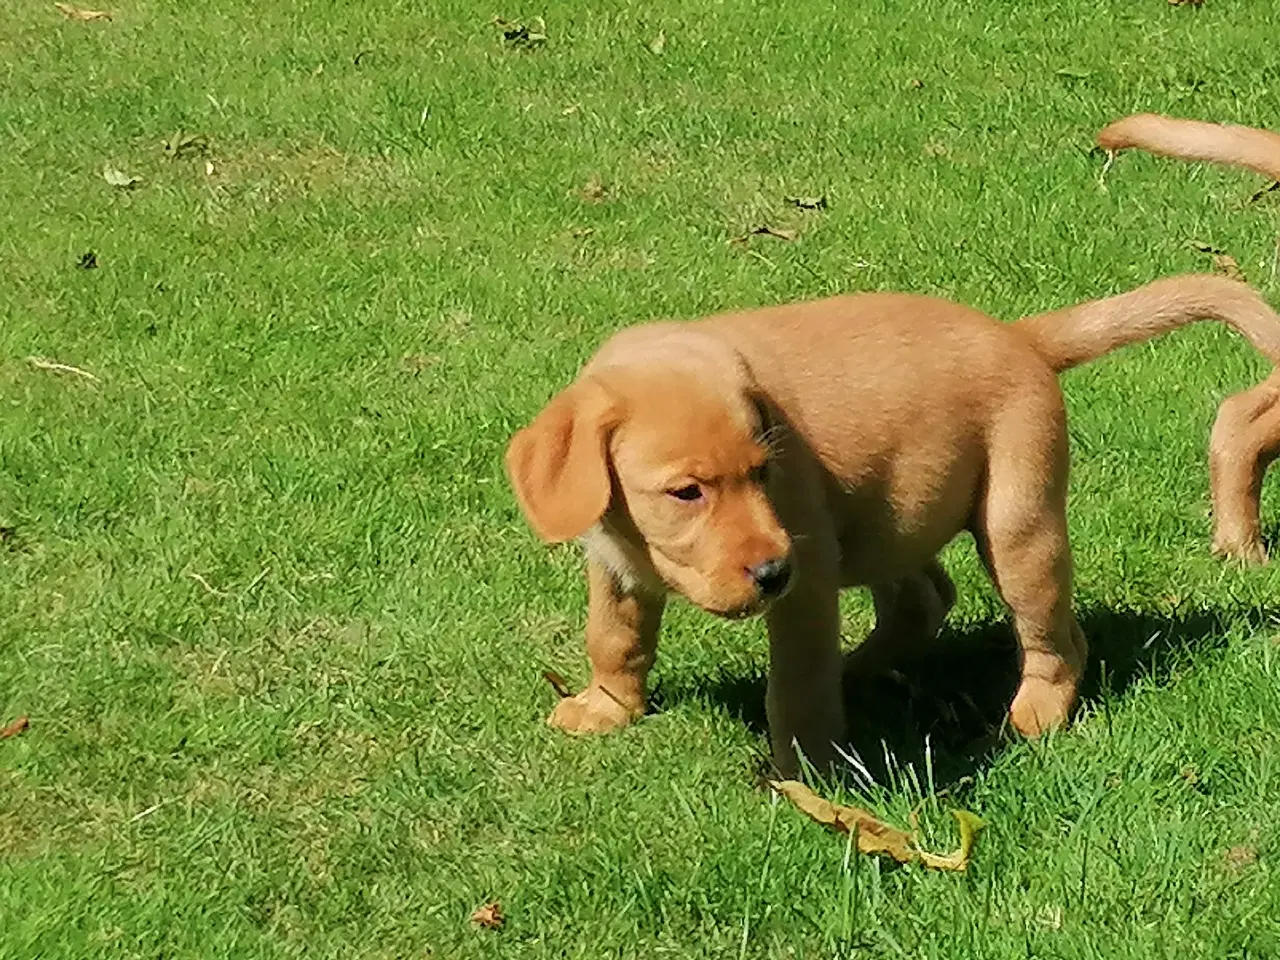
594, 191
1050, 916
1237, 858
521, 35
75, 13
768, 231
808, 203
1226, 264
15, 728
764, 231
558, 683
40, 363
415, 363
876, 837
1223, 262
488, 916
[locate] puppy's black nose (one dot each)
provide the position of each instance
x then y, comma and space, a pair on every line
771, 577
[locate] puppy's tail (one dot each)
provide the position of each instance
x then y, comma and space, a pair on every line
1071, 336
1257, 150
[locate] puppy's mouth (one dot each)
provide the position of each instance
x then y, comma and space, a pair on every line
742, 612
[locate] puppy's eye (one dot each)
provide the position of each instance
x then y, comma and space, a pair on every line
760, 474
688, 493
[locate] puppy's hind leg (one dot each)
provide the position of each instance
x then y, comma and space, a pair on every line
909, 613
1022, 537
1244, 442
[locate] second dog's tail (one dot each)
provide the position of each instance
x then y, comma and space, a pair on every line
1071, 336
1258, 150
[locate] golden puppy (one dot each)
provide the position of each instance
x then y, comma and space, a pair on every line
1257, 150
761, 461
1250, 420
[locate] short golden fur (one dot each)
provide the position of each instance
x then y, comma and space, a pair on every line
761, 461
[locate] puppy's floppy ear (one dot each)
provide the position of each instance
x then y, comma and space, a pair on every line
558, 465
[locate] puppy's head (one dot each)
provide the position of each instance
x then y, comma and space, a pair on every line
659, 448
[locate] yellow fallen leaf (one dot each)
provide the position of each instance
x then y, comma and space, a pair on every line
15, 728
489, 916
75, 13
877, 837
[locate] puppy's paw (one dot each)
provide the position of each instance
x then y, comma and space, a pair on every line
594, 710
1248, 549
1040, 706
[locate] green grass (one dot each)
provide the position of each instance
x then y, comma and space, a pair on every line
274, 614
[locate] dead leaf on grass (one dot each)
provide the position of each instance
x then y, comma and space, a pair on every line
764, 230
1237, 858
40, 363
1223, 262
415, 363
558, 684
768, 231
118, 178
659, 44
84, 16
521, 35
1186, 3
594, 191
488, 916
808, 203
1227, 265
876, 837
181, 143
15, 728
1050, 916
915, 83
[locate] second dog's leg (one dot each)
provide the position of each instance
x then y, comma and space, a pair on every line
622, 643
1245, 440
803, 699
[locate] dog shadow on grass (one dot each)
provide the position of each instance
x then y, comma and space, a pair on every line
951, 705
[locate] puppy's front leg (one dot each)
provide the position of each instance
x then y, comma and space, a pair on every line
803, 699
622, 642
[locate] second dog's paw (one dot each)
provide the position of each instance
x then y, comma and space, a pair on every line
594, 710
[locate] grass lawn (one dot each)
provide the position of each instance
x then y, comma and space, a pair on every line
266, 596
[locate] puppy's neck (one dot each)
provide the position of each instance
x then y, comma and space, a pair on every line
606, 545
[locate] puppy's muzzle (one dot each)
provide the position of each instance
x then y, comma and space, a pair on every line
772, 577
